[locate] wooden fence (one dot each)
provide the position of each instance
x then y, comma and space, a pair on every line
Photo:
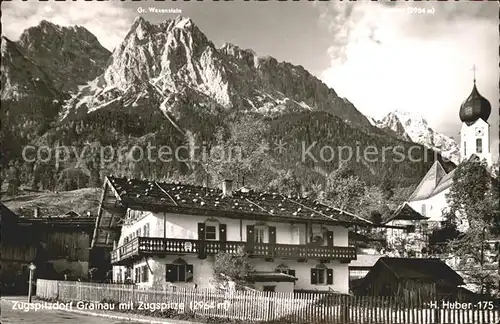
267, 306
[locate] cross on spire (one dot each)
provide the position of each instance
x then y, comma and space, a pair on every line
474, 71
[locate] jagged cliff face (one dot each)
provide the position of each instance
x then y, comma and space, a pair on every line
413, 127
38, 73
21, 77
71, 56
59, 85
173, 62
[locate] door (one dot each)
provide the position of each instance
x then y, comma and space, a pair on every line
250, 238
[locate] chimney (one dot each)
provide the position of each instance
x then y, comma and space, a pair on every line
227, 188
36, 212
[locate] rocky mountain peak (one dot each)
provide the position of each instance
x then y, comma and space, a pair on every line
412, 126
70, 55
175, 62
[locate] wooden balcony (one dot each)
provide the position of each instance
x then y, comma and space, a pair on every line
157, 246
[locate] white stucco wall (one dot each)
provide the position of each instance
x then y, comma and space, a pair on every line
468, 138
203, 273
434, 206
181, 226
186, 227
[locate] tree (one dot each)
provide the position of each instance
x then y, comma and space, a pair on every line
285, 182
409, 245
347, 192
241, 154
473, 203
234, 267
13, 179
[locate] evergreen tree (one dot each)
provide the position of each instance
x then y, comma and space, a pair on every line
473, 203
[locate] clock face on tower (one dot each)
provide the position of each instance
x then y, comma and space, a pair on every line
479, 131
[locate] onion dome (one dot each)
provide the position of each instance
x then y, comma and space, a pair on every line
475, 107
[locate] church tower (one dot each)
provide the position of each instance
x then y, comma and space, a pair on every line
475, 132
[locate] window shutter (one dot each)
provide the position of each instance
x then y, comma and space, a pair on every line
329, 276
314, 276
329, 238
201, 231
222, 233
181, 273
250, 238
272, 235
171, 275
189, 273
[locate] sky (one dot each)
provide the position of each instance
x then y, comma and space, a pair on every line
382, 56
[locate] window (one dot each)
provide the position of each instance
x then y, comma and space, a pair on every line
145, 274
146, 230
211, 232
128, 275
259, 235
465, 148
179, 273
479, 145
321, 276
137, 275
424, 211
138, 232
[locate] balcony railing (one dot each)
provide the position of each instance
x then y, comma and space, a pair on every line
144, 246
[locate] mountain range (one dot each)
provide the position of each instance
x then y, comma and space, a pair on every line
168, 83
411, 126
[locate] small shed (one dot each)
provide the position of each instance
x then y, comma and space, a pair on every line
411, 279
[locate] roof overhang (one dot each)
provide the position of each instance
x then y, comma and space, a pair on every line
261, 276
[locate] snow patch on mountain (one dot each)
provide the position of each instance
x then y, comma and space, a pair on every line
410, 126
155, 61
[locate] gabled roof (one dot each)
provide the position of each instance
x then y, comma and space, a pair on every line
432, 269
405, 212
436, 180
143, 193
198, 200
432, 180
365, 261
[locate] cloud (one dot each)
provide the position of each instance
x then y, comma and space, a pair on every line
109, 21
386, 57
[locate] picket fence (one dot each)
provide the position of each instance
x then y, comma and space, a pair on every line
256, 306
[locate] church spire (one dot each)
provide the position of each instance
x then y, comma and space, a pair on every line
475, 106
474, 72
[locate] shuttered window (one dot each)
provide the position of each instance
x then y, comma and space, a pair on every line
321, 276
211, 232
259, 235
179, 273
